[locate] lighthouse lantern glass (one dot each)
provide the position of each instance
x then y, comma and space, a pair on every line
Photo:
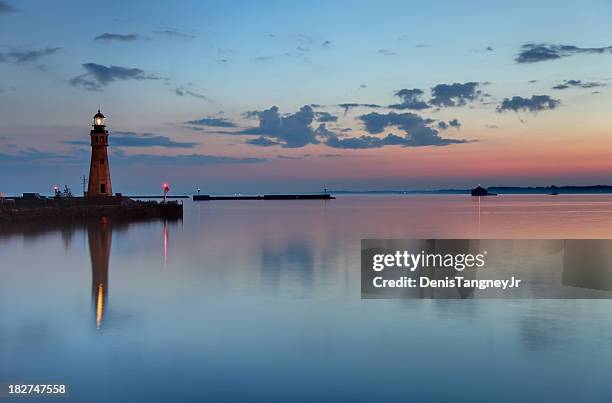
99, 121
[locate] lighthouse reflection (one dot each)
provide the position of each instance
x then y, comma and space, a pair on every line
100, 237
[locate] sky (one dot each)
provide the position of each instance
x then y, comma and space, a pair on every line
271, 96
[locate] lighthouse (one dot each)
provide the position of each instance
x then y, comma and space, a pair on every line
99, 171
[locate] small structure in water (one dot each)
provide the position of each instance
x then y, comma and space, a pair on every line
480, 191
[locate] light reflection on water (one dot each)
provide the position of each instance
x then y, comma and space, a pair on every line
260, 301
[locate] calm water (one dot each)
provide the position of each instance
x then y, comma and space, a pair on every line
260, 301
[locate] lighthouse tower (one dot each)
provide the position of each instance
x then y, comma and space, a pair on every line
99, 171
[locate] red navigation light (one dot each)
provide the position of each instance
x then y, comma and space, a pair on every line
166, 190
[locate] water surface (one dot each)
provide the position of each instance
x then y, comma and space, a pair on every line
260, 301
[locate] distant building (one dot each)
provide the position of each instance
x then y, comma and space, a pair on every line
99, 170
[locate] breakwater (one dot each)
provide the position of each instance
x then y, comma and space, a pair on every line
324, 196
75, 209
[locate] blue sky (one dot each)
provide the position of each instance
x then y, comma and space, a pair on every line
177, 62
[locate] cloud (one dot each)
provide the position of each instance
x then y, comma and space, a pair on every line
26, 56
173, 32
322, 131
421, 137
6, 8
296, 130
76, 142
81, 156
131, 139
304, 39
451, 123
83, 82
363, 142
577, 84
261, 141
182, 160
540, 52
349, 106
290, 131
303, 42
254, 114
181, 92
417, 133
214, 122
287, 157
32, 155
456, 94
377, 122
330, 155
536, 103
270, 57
325, 117
385, 52
411, 99
454, 123
105, 75
98, 76
111, 37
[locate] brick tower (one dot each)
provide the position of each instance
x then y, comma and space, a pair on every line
99, 171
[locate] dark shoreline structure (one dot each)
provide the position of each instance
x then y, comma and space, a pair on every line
323, 196
595, 189
541, 190
480, 191
78, 209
